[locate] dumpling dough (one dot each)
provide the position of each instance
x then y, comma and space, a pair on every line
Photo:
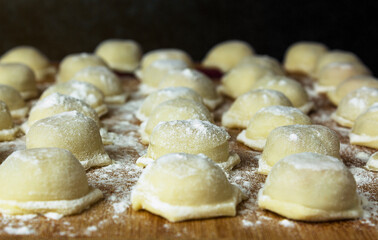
14, 101
106, 81
333, 74
166, 53
176, 109
311, 187
58, 103
72, 131
263, 61
155, 73
20, 77
336, 56
165, 94
190, 136
241, 78
354, 104
292, 89
349, 85
365, 129
34, 59
287, 140
267, 119
181, 186
372, 164
73, 63
195, 80
246, 105
86, 92
303, 57
8, 131
228, 54
122, 55
43, 180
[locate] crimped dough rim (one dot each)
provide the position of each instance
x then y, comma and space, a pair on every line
28, 94
20, 112
230, 120
64, 207
9, 134
117, 99
341, 120
323, 89
256, 144
212, 103
299, 212
98, 160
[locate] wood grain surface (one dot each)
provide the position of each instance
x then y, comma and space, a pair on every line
113, 218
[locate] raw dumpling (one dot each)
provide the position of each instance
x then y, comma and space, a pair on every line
354, 104
165, 94
333, 74
228, 54
311, 187
8, 131
365, 129
195, 80
169, 54
86, 92
292, 89
14, 101
105, 80
263, 61
241, 78
336, 56
267, 119
43, 180
57, 103
155, 73
72, 131
349, 85
181, 186
34, 59
287, 140
20, 77
176, 109
246, 105
302, 57
372, 164
73, 63
190, 136
120, 54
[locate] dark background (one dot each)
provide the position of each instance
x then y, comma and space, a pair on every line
66, 26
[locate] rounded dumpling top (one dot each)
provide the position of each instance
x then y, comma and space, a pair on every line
292, 89
120, 54
57, 103
72, 131
105, 80
42, 174
31, 57
246, 105
287, 140
336, 56
195, 80
73, 63
84, 91
267, 119
365, 129
353, 104
263, 61
188, 186
175, 109
303, 57
311, 187
228, 54
190, 136
20, 77
14, 101
349, 85
155, 73
168, 53
165, 94
241, 79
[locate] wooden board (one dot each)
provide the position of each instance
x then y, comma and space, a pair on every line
113, 218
